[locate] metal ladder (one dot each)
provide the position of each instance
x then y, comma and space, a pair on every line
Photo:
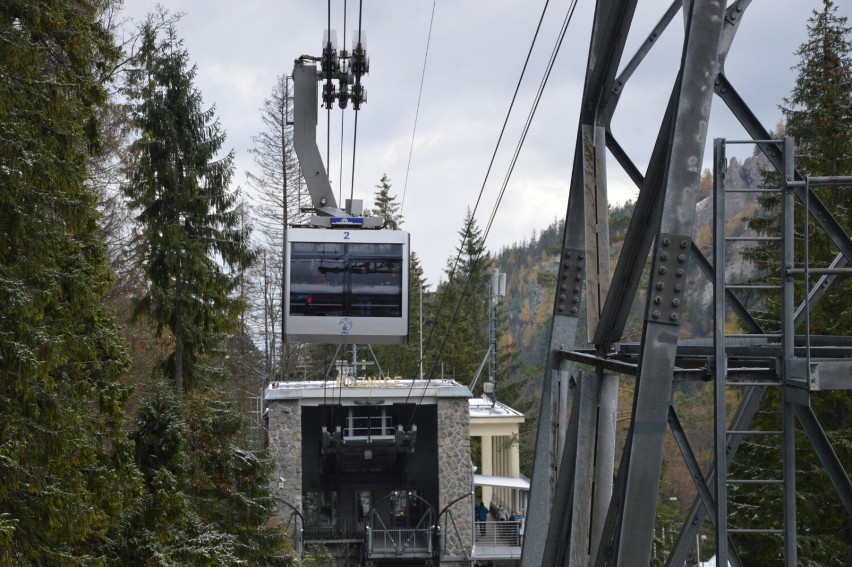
777, 438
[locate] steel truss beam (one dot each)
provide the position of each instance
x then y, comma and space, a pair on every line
609, 34
565, 525
632, 531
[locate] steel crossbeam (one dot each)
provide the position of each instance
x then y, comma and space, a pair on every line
576, 516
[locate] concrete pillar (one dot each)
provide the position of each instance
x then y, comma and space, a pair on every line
487, 465
514, 459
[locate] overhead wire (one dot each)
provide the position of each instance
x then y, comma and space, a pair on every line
568, 17
328, 136
355, 134
340, 174
329, 84
450, 279
342, 117
531, 115
560, 38
417, 110
357, 93
327, 160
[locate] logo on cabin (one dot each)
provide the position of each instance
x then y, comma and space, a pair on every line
346, 221
345, 325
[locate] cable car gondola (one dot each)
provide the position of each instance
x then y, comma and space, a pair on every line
346, 286
347, 278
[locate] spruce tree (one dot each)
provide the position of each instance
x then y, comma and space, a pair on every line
191, 237
402, 360
66, 470
459, 330
819, 116
207, 500
385, 205
229, 484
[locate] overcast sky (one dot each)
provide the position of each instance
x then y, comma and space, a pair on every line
476, 53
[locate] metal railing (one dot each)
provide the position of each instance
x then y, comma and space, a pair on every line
382, 541
496, 533
399, 541
369, 427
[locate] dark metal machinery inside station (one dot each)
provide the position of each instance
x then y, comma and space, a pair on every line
579, 514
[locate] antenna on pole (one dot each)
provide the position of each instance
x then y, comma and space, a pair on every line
498, 292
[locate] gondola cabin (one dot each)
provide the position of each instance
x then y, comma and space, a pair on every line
346, 286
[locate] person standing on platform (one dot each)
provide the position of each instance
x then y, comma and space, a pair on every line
481, 517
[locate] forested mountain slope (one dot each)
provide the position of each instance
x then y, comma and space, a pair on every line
531, 267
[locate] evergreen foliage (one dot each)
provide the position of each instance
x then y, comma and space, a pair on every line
207, 501
458, 335
66, 469
819, 117
402, 360
71, 492
386, 206
191, 232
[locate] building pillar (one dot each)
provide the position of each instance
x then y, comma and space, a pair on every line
285, 448
455, 480
487, 465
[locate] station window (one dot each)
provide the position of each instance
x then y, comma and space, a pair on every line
320, 509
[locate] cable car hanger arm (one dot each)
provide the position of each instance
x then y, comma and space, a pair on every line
305, 103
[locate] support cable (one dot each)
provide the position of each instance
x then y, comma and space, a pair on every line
568, 17
328, 86
450, 280
342, 117
531, 115
340, 175
358, 94
325, 382
354, 145
417, 111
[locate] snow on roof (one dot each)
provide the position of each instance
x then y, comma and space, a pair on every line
381, 390
484, 407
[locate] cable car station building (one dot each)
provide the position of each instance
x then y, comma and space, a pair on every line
380, 472
369, 467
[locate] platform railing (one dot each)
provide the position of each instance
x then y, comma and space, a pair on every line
496, 533
384, 541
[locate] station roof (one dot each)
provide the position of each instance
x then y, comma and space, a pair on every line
483, 407
501, 481
363, 391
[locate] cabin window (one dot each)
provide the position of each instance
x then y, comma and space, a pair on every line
333, 279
